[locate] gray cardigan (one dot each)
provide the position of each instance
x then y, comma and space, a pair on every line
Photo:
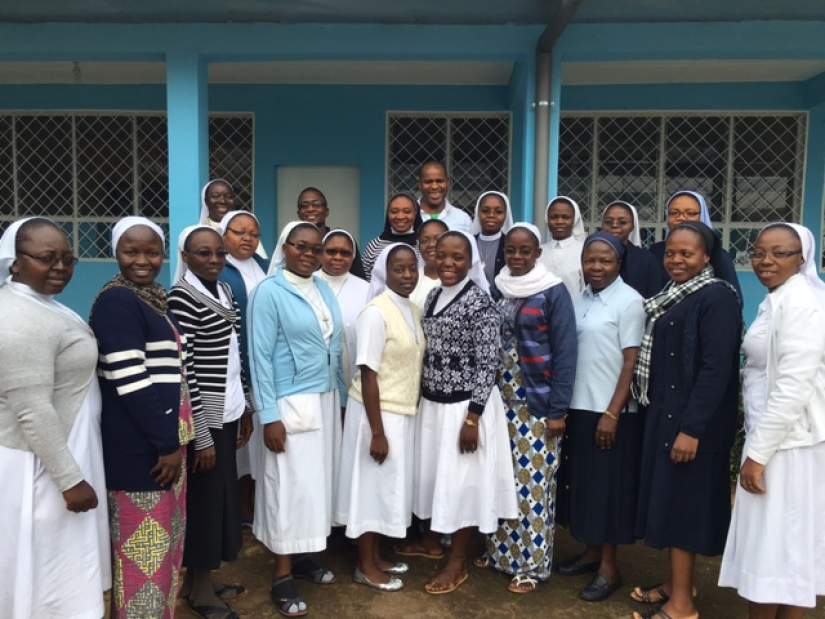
47, 362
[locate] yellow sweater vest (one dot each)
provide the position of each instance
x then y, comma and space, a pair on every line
399, 377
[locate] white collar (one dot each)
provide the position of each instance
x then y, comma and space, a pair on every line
491, 237
563, 243
605, 293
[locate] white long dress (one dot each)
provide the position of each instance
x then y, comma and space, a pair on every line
564, 258
422, 289
351, 293
375, 497
55, 563
775, 551
295, 489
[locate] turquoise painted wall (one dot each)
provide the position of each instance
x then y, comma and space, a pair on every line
294, 125
785, 96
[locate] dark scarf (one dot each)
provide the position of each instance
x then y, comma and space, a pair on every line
410, 238
153, 294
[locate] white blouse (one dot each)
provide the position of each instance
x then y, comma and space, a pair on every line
564, 258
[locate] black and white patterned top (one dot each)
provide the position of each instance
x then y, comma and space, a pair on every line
463, 348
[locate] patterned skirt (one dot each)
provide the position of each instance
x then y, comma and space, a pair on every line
147, 530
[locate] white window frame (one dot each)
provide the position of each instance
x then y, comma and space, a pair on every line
76, 221
660, 225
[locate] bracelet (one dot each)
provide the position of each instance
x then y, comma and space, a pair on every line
613, 416
469, 422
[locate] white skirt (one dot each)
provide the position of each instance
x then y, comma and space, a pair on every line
247, 456
775, 550
375, 497
460, 490
294, 490
55, 563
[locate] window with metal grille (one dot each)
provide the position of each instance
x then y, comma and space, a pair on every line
475, 148
86, 171
749, 167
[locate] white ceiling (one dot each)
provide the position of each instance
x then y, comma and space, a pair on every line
415, 73
690, 72
280, 72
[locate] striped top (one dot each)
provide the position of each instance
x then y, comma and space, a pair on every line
209, 326
139, 370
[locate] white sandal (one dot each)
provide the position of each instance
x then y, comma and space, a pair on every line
519, 581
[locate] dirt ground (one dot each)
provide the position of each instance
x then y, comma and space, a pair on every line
484, 595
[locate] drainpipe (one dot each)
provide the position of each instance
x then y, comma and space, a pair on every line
544, 66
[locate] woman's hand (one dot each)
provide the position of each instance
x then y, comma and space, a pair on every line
167, 469
204, 460
684, 449
606, 432
468, 437
752, 477
246, 430
80, 498
379, 448
554, 428
275, 437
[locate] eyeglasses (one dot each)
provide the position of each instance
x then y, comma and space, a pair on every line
757, 254
312, 204
243, 233
303, 248
205, 254
51, 260
691, 215
332, 251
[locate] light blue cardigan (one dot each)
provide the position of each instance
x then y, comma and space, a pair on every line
287, 351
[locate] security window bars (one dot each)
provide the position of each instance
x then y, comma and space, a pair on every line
749, 166
475, 147
86, 171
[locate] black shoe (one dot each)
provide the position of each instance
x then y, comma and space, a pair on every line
599, 589
574, 567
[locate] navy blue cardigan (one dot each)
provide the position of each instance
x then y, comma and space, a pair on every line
547, 351
642, 271
230, 275
140, 377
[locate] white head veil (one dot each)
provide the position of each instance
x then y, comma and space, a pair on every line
476, 272
809, 267
508, 221
8, 253
278, 256
180, 271
378, 283
636, 234
578, 223
120, 228
204, 189
704, 211
532, 282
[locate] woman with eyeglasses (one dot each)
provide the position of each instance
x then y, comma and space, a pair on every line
244, 270
295, 348
54, 547
685, 206
218, 198
402, 221
775, 549
210, 318
640, 270
351, 291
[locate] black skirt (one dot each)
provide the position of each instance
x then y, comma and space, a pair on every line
597, 491
213, 505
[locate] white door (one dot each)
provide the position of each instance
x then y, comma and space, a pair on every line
340, 184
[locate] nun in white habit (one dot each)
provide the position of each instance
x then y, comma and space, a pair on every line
218, 199
295, 339
350, 290
376, 482
493, 218
55, 550
561, 252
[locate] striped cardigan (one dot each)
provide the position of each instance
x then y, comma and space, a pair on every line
139, 371
209, 326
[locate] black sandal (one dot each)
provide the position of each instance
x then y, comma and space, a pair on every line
307, 568
208, 611
285, 596
229, 592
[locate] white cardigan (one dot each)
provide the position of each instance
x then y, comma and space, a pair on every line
795, 412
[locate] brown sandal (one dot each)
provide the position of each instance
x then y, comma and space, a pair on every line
645, 595
433, 589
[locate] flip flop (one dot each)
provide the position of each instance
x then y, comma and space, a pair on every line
418, 553
453, 587
520, 580
208, 611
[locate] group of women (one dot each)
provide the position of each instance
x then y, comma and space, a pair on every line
482, 385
